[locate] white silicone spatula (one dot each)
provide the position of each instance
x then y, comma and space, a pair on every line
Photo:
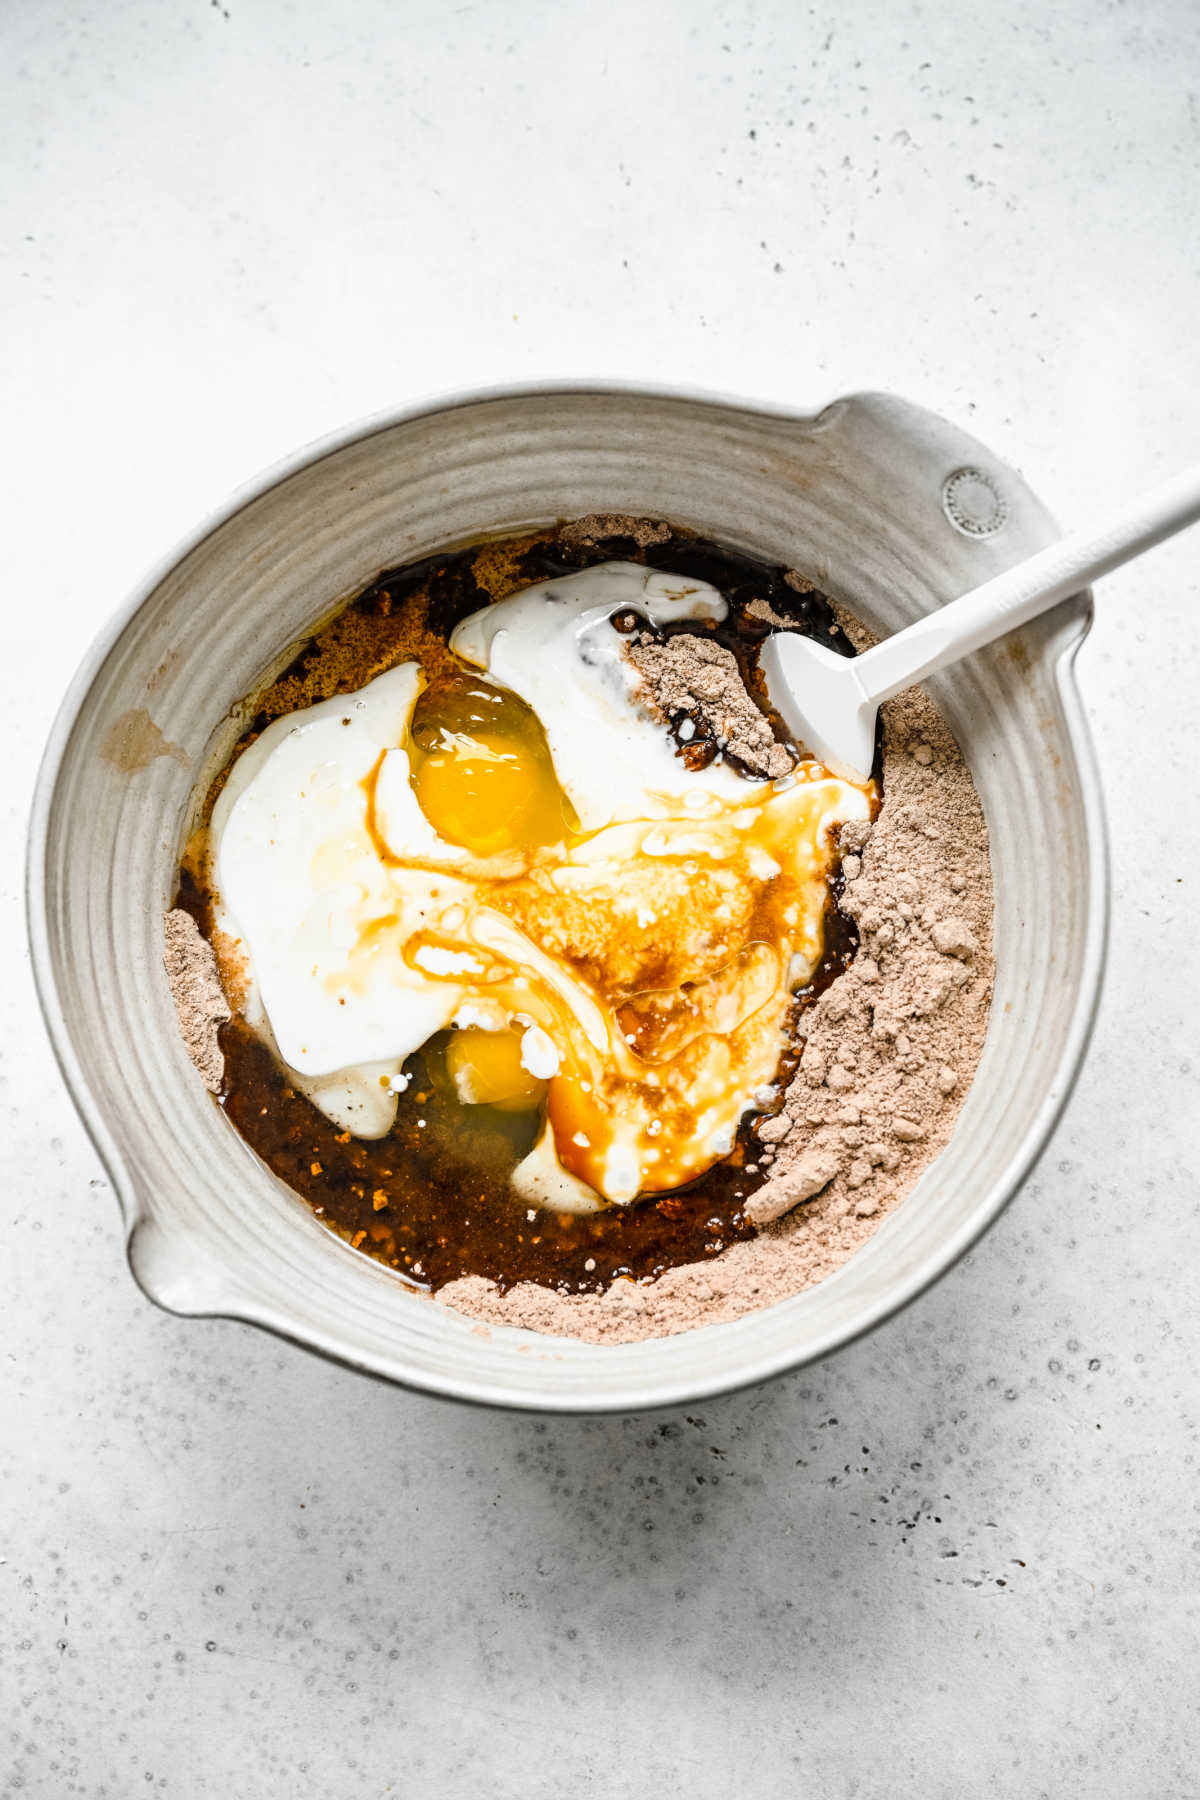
829, 702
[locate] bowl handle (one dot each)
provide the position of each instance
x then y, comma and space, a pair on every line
175, 1271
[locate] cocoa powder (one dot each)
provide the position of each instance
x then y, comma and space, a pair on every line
200, 1002
693, 678
599, 528
890, 1048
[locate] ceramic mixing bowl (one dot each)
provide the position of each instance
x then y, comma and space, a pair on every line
888, 506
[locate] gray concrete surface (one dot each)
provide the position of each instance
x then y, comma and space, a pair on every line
960, 1559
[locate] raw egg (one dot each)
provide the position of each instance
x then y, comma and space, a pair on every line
481, 769
487, 1070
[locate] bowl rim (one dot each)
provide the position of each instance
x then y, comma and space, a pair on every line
642, 1397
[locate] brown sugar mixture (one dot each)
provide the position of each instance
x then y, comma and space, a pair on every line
884, 1040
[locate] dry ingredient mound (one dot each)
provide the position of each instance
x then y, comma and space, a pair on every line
691, 677
600, 528
200, 1002
890, 1049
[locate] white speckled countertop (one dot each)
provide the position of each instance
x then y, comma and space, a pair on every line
963, 1557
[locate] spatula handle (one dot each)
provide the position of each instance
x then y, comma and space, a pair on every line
1032, 587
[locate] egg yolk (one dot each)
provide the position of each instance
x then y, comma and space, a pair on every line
486, 1069
481, 769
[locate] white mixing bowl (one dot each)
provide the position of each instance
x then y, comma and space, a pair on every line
890, 508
